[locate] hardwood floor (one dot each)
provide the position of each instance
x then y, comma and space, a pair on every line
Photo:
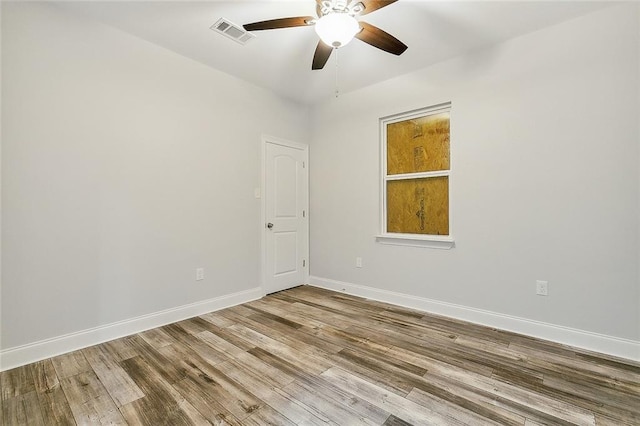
314, 357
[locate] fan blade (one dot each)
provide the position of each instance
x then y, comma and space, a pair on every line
273, 24
319, 8
382, 40
371, 5
321, 56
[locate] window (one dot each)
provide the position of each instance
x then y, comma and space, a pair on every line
416, 168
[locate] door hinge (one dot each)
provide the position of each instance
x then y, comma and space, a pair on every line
304, 263
303, 213
303, 164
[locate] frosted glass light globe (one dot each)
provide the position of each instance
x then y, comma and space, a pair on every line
337, 29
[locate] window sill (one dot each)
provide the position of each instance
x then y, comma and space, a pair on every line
412, 240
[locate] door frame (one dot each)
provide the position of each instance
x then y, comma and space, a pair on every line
264, 140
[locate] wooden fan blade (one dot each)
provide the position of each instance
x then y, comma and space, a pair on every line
273, 24
319, 8
382, 40
321, 56
371, 5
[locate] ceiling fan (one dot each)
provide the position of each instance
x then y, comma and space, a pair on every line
336, 25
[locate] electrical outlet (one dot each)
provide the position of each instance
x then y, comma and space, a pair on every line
358, 262
542, 288
199, 274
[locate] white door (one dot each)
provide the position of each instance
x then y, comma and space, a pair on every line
285, 212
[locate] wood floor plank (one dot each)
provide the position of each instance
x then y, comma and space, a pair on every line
55, 407
415, 330
195, 417
343, 339
394, 421
320, 402
170, 372
561, 410
17, 381
70, 364
367, 411
338, 306
400, 407
315, 362
425, 361
267, 416
595, 376
331, 316
52, 401
234, 397
89, 401
219, 343
161, 404
231, 337
281, 308
530, 422
269, 392
23, 409
216, 319
462, 382
447, 408
596, 399
267, 372
612, 361
123, 348
412, 379
319, 385
157, 337
373, 371
193, 325
285, 310
287, 334
602, 420
481, 402
44, 376
266, 315
204, 399
207, 352
425, 349
116, 381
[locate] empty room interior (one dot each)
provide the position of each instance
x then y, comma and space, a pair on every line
330, 212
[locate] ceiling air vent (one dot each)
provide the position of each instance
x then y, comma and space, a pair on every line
231, 30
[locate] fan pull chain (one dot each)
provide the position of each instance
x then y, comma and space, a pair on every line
337, 92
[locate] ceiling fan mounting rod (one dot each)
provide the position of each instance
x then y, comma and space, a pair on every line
340, 6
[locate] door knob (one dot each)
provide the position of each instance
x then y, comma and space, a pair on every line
269, 225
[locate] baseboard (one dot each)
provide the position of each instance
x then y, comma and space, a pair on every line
32, 352
623, 348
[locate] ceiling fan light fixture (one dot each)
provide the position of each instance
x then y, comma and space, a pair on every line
337, 29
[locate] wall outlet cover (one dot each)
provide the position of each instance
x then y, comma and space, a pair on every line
542, 288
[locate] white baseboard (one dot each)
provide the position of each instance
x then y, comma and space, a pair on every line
32, 352
615, 346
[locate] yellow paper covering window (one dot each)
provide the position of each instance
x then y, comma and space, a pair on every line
418, 206
418, 145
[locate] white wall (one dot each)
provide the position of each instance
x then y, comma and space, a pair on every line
545, 157
638, 122
124, 167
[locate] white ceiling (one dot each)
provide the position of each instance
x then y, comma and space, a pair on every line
280, 60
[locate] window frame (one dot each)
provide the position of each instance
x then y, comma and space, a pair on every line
413, 240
